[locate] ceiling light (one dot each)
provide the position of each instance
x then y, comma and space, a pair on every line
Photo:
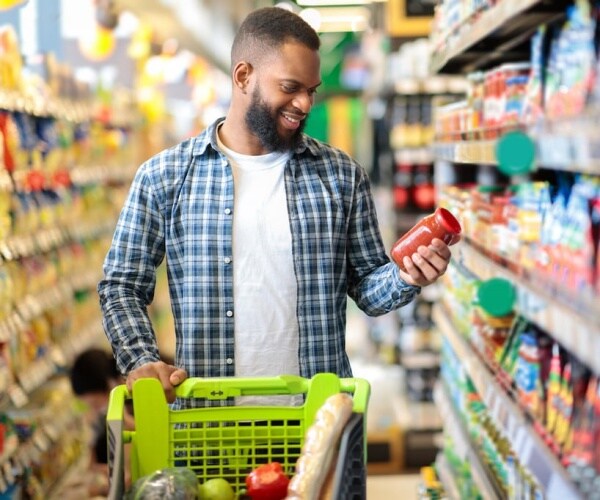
337, 19
326, 3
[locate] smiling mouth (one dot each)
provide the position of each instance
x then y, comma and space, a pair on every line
293, 121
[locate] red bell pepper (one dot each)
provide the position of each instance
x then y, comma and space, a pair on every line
267, 482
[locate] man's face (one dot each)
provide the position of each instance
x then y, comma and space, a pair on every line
283, 96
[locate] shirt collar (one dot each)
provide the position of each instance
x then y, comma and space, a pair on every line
209, 138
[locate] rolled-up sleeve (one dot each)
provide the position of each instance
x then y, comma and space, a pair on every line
374, 281
128, 284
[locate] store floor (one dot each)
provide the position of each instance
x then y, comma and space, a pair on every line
404, 486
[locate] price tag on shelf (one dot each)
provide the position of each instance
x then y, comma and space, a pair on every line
489, 399
27, 380
539, 463
554, 150
58, 357
41, 441
512, 427
5, 250
479, 477
7, 472
18, 324
526, 447
580, 151
461, 446
17, 395
51, 431
518, 440
501, 414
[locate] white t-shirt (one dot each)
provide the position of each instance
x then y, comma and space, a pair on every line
264, 280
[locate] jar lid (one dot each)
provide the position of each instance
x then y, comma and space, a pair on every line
496, 296
447, 220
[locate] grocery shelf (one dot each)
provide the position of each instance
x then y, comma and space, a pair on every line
495, 35
572, 321
567, 144
464, 447
434, 85
528, 446
43, 369
78, 469
474, 152
413, 155
570, 143
446, 476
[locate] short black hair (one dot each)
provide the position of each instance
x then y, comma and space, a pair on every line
268, 28
92, 371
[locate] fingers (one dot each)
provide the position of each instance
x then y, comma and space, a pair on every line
427, 264
178, 376
168, 375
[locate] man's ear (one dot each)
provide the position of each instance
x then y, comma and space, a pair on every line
241, 75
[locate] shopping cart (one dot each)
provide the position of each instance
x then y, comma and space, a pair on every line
230, 441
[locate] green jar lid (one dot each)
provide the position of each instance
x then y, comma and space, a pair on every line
496, 297
515, 153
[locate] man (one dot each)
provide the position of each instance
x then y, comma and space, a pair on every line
265, 231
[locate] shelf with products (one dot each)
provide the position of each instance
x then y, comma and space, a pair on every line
567, 144
528, 446
446, 476
45, 440
516, 233
572, 322
492, 34
63, 176
464, 447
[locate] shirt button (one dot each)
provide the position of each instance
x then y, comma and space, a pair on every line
229, 361
395, 295
229, 314
227, 260
227, 211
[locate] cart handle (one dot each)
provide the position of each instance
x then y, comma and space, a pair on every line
224, 387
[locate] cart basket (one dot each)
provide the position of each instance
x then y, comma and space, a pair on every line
230, 441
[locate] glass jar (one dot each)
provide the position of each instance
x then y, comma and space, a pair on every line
440, 224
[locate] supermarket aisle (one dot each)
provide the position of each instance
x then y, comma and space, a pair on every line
402, 486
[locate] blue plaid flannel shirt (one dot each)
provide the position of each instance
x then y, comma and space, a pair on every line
180, 207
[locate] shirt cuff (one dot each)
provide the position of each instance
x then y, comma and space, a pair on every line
403, 292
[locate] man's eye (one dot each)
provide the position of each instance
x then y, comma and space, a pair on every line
288, 89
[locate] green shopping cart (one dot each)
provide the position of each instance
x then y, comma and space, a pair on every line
230, 441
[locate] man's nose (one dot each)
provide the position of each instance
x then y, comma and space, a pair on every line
304, 101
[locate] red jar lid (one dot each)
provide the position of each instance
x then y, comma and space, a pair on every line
447, 220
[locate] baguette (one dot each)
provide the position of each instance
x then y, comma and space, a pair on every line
320, 447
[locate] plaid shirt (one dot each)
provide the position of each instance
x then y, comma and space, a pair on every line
180, 207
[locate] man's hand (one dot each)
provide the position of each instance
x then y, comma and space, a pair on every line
169, 376
427, 264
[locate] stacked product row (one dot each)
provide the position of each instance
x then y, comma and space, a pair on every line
64, 171
536, 229
519, 364
559, 80
551, 386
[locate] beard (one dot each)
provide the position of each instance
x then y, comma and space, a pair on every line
262, 122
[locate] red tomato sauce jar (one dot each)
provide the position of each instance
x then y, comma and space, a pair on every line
440, 224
